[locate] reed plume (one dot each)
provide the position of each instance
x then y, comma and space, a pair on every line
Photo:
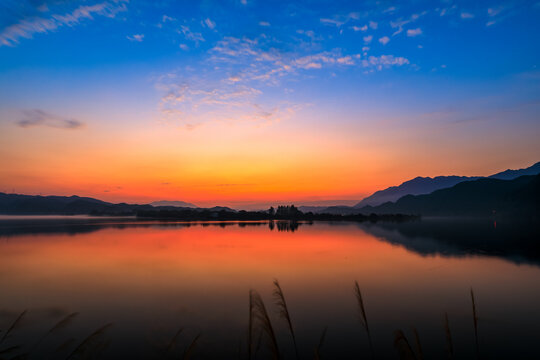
13, 326
319, 346
58, 326
402, 346
475, 321
262, 316
191, 347
449, 345
419, 353
89, 342
284, 312
363, 317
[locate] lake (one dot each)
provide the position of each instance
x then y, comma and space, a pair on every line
152, 279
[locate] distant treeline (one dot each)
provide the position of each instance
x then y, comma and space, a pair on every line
281, 213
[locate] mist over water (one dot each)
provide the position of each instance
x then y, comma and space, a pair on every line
150, 279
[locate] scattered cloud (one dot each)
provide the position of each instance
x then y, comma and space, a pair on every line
384, 40
28, 27
367, 39
384, 61
359, 28
196, 37
136, 37
184, 47
373, 25
264, 23
414, 32
166, 18
36, 117
466, 15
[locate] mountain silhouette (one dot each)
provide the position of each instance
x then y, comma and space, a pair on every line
483, 197
426, 185
16, 204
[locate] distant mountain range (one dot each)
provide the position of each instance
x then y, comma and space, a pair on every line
426, 185
507, 192
15, 204
173, 203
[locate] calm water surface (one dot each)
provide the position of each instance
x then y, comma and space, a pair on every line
150, 279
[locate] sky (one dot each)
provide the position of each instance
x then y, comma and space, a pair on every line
248, 103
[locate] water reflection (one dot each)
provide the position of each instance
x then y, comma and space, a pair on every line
514, 241
151, 279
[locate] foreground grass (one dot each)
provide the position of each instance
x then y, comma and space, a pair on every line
260, 331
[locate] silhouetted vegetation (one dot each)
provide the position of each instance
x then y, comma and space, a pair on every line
96, 344
290, 213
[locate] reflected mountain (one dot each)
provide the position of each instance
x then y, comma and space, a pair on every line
514, 241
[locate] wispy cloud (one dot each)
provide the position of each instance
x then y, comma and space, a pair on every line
36, 117
136, 37
28, 27
466, 15
339, 20
400, 23
499, 13
210, 23
264, 23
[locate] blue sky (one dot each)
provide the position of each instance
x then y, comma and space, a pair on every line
448, 74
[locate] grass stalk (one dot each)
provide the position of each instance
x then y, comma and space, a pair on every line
250, 326
58, 326
191, 348
91, 341
402, 346
419, 352
319, 346
13, 326
284, 312
475, 321
363, 317
449, 344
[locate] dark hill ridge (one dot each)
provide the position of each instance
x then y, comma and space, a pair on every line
426, 185
15, 204
483, 197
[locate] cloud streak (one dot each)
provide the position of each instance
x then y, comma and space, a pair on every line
36, 117
28, 27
